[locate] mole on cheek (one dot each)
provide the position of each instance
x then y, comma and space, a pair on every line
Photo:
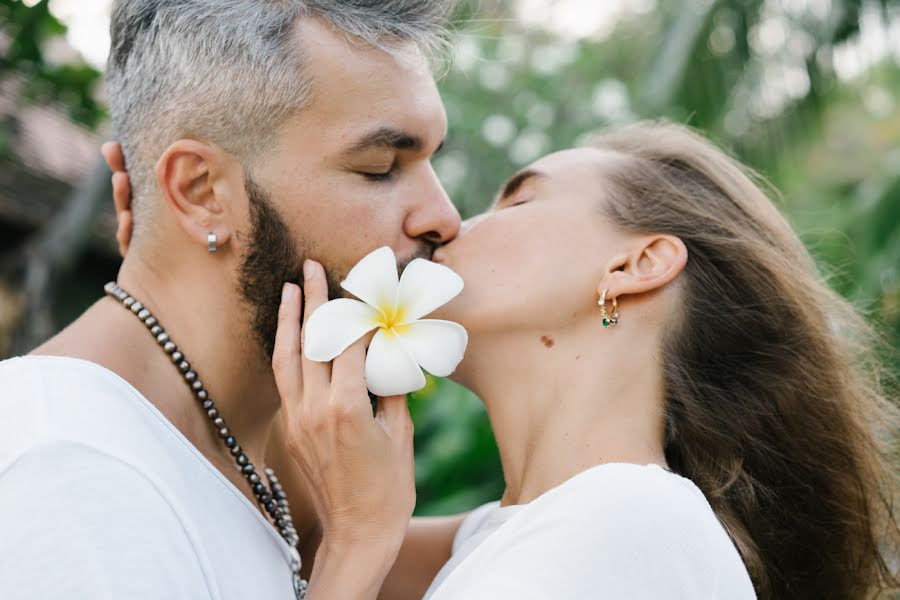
547, 341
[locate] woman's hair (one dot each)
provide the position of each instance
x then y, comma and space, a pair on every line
775, 405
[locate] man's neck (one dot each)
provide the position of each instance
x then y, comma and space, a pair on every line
209, 333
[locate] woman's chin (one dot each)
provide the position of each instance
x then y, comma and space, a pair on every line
452, 311
462, 374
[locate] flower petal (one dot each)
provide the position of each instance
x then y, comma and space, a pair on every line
438, 346
334, 326
390, 370
374, 279
424, 287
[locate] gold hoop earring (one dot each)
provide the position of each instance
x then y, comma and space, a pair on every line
608, 319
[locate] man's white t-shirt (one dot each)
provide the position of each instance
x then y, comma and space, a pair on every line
613, 532
101, 497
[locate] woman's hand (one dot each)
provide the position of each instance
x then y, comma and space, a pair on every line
115, 159
359, 467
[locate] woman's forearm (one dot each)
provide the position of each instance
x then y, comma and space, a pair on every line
356, 572
425, 549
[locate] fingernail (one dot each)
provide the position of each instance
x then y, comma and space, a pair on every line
287, 292
309, 269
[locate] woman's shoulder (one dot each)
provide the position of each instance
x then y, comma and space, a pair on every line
613, 531
640, 503
628, 488
639, 519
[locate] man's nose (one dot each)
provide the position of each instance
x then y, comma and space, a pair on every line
433, 218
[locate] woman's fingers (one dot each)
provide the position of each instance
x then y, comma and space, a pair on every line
348, 379
315, 293
115, 160
286, 354
121, 191
122, 202
112, 153
393, 413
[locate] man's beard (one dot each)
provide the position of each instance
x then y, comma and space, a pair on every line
273, 258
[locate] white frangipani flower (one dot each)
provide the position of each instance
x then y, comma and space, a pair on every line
404, 343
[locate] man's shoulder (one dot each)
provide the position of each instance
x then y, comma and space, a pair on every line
87, 484
93, 475
92, 523
41, 383
85, 478
67, 415
46, 399
31, 369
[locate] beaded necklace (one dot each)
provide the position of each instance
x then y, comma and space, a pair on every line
272, 498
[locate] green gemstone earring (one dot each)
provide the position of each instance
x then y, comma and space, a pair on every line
607, 318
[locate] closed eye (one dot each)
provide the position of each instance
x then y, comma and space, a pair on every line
380, 177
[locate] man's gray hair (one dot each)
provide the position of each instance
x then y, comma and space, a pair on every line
231, 71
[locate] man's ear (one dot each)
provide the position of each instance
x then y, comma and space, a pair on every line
189, 174
652, 262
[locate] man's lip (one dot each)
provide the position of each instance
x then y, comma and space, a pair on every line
437, 257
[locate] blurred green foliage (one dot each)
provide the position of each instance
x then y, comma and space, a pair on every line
788, 86
26, 54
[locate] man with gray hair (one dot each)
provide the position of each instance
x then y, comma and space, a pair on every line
257, 133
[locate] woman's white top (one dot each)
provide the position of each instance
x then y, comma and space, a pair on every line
613, 532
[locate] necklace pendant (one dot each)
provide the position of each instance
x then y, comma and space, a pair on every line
300, 586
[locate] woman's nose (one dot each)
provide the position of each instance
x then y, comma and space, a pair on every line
469, 223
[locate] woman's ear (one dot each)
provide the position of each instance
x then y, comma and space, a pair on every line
189, 173
652, 263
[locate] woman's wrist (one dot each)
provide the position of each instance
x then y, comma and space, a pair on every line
351, 570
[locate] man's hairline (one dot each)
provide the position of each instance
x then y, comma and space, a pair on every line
265, 143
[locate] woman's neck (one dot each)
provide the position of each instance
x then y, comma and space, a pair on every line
563, 407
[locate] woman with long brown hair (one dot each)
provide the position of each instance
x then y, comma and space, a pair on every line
683, 407
772, 389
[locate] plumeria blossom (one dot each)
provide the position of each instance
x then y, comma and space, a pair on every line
405, 343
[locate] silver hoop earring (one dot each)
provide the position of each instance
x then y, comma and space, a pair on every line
212, 242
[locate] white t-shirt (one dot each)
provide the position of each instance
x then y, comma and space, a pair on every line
102, 498
613, 532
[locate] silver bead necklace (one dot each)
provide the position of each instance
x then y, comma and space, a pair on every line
272, 498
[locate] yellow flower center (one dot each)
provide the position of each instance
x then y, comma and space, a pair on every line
392, 320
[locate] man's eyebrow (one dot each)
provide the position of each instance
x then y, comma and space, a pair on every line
386, 137
515, 182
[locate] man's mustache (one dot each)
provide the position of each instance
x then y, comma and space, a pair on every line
425, 250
